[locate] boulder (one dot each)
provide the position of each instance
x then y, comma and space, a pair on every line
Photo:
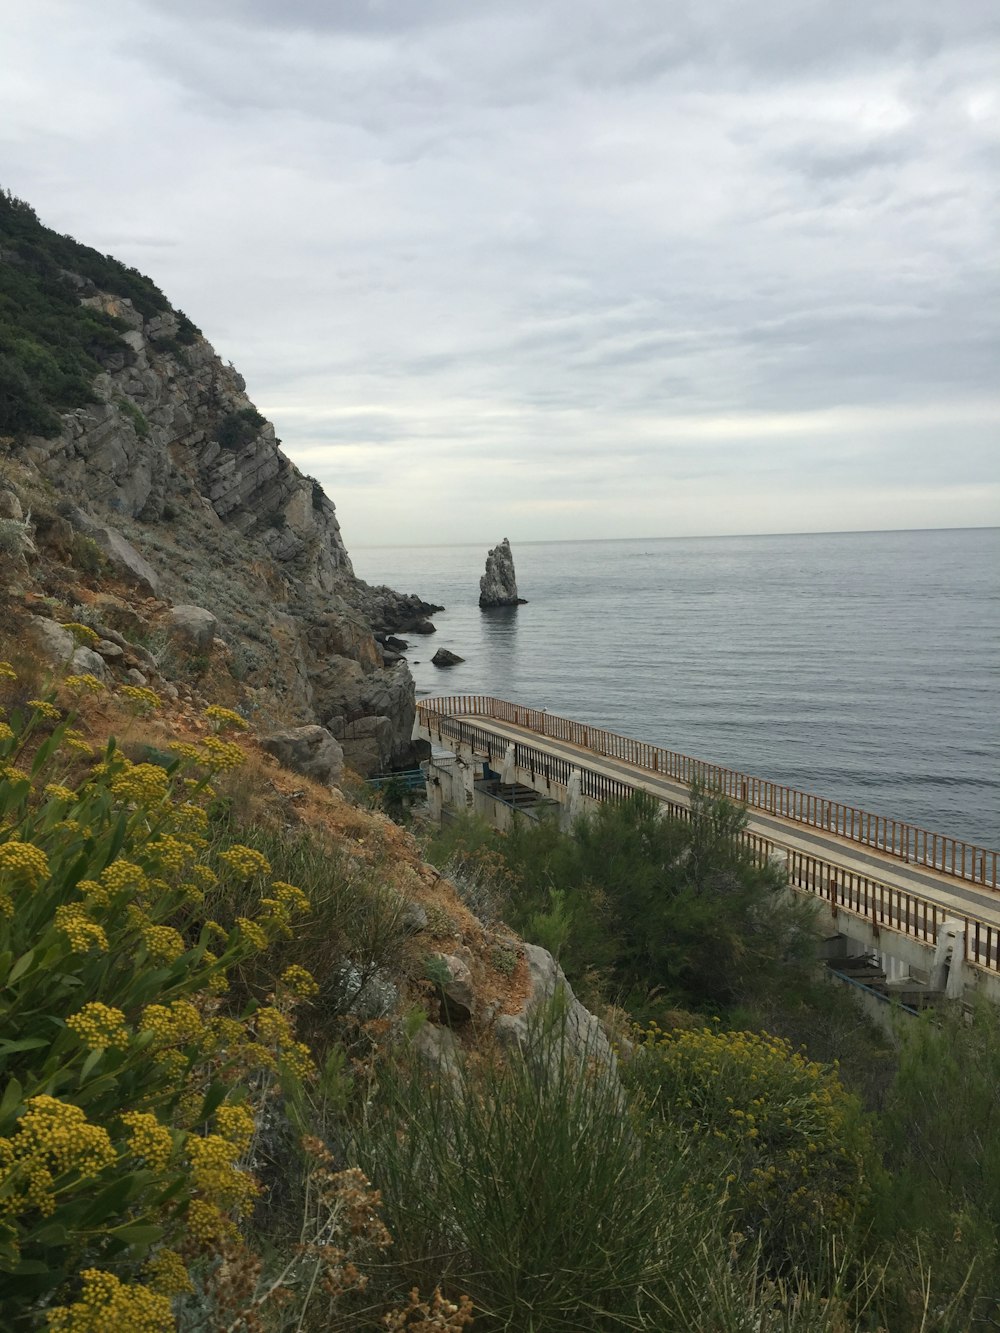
191, 626
311, 751
456, 993
120, 554
444, 658
583, 1035
498, 586
423, 627
56, 645
86, 662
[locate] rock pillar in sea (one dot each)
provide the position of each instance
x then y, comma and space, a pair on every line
498, 586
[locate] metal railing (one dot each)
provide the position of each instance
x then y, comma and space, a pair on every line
883, 906
906, 842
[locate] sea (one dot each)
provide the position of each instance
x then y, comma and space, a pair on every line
862, 667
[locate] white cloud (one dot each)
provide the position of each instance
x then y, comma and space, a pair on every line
603, 271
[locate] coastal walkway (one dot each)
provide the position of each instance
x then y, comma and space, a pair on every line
884, 873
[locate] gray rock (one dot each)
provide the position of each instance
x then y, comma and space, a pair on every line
423, 627
457, 994
10, 506
56, 645
311, 751
582, 1033
85, 662
437, 1045
111, 652
444, 658
120, 554
498, 586
135, 677
191, 626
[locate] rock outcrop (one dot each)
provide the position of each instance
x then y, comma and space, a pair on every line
444, 657
498, 586
181, 489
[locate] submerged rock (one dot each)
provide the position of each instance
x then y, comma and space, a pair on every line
498, 586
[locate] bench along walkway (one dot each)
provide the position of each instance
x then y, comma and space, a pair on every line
888, 872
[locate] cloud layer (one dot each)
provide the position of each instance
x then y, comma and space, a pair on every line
561, 269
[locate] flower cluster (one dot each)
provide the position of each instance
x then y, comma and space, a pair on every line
148, 1139
144, 699
245, 861
99, 1026
106, 1302
22, 863
225, 717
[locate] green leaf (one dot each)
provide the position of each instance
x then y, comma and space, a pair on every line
25, 1044
12, 1097
137, 1233
92, 1059
20, 967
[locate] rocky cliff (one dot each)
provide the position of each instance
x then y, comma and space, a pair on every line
170, 457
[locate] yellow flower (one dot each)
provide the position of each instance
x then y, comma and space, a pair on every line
60, 1138
23, 863
99, 1026
177, 1024
167, 1273
225, 717
106, 1303
207, 1225
246, 861
164, 943
57, 792
85, 684
219, 755
6, 732
46, 709
82, 633
83, 934
215, 1173
236, 1125
143, 784
253, 933
122, 875
146, 700
300, 982
149, 1139
7, 672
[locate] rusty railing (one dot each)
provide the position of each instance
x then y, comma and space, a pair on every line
894, 837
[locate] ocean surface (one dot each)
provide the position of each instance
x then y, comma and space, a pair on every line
863, 667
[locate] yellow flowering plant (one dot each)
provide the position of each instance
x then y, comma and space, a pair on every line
796, 1156
125, 1110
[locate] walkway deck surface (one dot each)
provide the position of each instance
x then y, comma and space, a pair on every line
953, 895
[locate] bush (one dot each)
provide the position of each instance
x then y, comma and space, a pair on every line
237, 429
800, 1157
525, 1186
130, 1092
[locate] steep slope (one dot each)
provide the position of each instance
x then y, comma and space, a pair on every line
127, 417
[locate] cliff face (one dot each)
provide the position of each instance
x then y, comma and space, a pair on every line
173, 455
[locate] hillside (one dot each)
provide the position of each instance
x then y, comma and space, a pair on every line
119, 424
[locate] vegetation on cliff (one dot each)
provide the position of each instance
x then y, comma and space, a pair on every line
52, 346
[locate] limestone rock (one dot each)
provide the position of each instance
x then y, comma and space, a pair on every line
55, 644
120, 554
445, 658
498, 586
311, 751
191, 626
584, 1036
457, 994
86, 662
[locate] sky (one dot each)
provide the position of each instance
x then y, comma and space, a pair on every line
557, 268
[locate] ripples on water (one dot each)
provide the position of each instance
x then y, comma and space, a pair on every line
861, 666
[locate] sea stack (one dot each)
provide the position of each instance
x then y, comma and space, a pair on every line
498, 586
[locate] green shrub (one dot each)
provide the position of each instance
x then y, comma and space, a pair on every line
237, 429
525, 1186
799, 1157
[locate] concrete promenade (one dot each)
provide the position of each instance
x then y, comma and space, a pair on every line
915, 915
954, 895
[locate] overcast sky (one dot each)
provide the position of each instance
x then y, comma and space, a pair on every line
540, 268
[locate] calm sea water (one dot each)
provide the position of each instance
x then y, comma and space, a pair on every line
860, 666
